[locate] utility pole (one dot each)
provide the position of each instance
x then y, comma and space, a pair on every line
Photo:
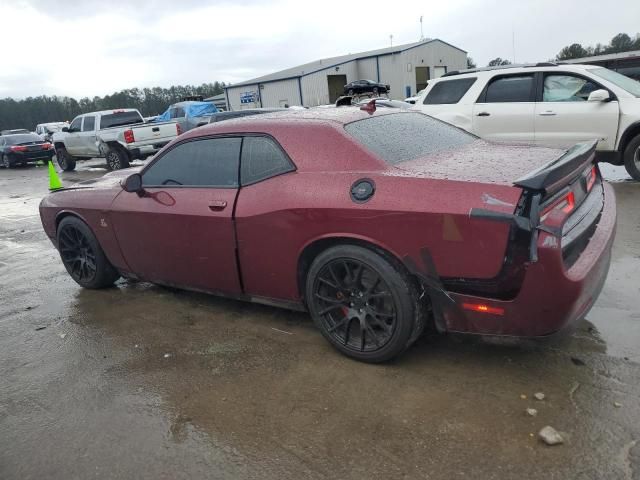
421, 32
391, 39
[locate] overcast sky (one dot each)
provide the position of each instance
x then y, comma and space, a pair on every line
95, 47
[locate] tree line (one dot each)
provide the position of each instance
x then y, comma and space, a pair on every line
30, 111
622, 42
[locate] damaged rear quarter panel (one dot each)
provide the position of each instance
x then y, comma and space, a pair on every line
405, 215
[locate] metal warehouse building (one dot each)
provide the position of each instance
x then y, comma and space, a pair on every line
406, 68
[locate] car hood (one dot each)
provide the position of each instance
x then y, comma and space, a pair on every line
109, 180
483, 162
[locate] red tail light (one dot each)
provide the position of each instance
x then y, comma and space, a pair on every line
482, 308
46, 146
18, 148
564, 204
178, 129
128, 136
591, 178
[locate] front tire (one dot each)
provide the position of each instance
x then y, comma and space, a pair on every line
66, 161
364, 304
632, 158
117, 159
82, 255
6, 162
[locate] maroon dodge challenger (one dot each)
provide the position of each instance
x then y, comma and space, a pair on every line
379, 223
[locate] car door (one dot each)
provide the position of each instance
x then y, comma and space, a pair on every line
72, 139
564, 116
263, 218
180, 231
505, 109
87, 136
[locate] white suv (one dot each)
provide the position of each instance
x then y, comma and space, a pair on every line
545, 104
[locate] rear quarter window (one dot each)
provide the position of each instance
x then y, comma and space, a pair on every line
448, 91
400, 137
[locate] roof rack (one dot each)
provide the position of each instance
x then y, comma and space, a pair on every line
500, 67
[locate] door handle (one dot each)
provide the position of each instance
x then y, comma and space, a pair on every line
483, 114
548, 113
217, 205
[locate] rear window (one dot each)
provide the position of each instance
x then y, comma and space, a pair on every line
514, 88
401, 137
22, 138
119, 119
449, 91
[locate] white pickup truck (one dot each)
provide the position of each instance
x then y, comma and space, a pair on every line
119, 136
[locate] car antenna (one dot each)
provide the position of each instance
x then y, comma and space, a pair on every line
369, 107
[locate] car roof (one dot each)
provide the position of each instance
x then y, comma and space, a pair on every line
108, 112
515, 68
336, 116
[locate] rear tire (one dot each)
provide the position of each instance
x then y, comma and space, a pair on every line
82, 255
6, 162
632, 158
117, 158
364, 304
66, 161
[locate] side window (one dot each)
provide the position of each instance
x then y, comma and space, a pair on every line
514, 88
176, 112
567, 88
262, 158
75, 125
89, 124
212, 162
449, 91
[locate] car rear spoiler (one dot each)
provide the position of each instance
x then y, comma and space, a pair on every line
555, 174
542, 182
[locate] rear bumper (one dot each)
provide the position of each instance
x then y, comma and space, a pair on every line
31, 157
551, 296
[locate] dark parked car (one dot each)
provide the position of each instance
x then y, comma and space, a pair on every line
375, 235
14, 131
221, 116
24, 148
365, 86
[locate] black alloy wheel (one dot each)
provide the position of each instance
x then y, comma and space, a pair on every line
6, 163
77, 254
82, 255
362, 304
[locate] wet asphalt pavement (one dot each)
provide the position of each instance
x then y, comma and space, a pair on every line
146, 382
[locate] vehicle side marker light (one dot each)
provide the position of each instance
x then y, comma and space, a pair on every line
482, 308
591, 179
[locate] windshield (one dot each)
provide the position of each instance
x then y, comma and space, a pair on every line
629, 84
119, 119
407, 136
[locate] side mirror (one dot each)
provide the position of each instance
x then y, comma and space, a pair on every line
412, 102
133, 184
599, 96
65, 129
